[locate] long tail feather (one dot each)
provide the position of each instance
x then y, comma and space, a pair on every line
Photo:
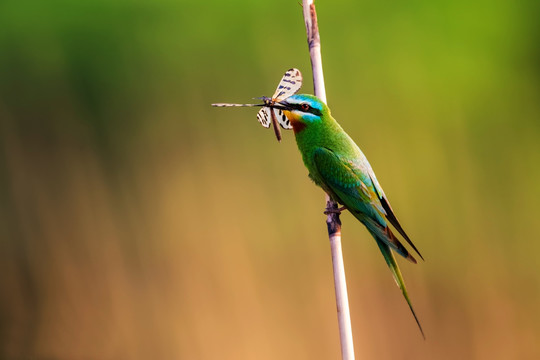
392, 264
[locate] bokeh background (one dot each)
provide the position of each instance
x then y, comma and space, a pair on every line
138, 222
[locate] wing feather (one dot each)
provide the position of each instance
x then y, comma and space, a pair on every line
360, 198
390, 216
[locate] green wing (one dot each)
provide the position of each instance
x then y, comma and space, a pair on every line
388, 209
344, 182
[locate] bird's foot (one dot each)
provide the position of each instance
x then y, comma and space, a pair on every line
335, 211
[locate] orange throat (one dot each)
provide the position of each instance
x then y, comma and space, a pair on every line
296, 121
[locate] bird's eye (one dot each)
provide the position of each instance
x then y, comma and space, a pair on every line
305, 107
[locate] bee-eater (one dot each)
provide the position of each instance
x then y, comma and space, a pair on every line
338, 166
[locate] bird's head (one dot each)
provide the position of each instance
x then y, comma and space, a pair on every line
303, 111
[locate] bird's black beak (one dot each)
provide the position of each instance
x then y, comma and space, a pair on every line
283, 105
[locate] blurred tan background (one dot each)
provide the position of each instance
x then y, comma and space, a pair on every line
137, 222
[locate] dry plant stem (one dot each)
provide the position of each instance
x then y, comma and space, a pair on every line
333, 222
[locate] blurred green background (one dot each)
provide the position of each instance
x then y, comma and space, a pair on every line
138, 222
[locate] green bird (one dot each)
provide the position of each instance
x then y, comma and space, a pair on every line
338, 166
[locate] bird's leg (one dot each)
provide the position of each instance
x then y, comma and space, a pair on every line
335, 211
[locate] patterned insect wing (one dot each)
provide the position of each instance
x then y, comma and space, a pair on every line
283, 120
264, 116
289, 85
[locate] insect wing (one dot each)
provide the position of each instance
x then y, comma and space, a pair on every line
283, 120
264, 116
289, 85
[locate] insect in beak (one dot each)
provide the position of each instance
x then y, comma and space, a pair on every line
271, 112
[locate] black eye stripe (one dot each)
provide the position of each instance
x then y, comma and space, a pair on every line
310, 110
299, 106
